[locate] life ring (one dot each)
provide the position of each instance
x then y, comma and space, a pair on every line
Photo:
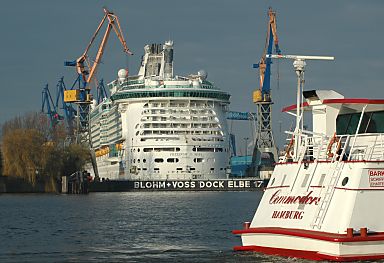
333, 140
288, 152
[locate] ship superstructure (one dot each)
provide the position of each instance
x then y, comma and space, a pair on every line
158, 126
321, 202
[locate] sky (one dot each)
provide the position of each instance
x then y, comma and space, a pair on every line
222, 37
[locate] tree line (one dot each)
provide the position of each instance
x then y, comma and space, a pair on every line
33, 149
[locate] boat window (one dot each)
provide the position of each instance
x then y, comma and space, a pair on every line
376, 123
342, 123
159, 160
364, 122
371, 123
353, 122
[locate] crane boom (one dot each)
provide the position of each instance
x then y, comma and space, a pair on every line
87, 71
264, 65
83, 66
111, 25
48, 107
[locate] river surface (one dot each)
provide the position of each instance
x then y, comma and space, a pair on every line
127, 227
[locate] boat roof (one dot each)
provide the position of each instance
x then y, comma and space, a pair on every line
315, 98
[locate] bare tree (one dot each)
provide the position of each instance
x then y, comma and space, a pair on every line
34, 150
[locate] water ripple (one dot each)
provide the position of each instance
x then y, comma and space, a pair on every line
127, 227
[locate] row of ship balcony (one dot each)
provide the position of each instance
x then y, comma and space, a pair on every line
104, 111
129, 82
98, 139
140, 84
180, 119
214, 148
179, 132
105, 131
105, 125
181, 104
145, 94
177, 111
169, 138
105, 122
180, 125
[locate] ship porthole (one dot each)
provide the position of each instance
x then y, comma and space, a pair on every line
345, 181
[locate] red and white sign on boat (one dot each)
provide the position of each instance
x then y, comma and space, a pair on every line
323, 199
376, 177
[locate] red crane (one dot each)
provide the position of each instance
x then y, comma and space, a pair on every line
86, 74
84, 68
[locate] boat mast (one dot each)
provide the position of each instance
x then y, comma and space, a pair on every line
299, 66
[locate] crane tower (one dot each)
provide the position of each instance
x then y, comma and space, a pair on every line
262, 97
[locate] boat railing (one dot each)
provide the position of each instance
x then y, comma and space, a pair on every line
367, 147
320, 147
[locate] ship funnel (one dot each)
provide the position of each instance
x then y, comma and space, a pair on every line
168, 59
202, 74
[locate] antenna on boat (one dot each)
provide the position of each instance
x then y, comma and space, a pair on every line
299, 65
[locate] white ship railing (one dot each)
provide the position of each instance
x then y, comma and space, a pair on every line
317, 147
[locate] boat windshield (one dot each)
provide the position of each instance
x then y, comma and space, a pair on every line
372, 122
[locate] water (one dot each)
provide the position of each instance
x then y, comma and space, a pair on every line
127, 227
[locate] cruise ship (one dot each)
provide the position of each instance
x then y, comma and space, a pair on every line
160, 126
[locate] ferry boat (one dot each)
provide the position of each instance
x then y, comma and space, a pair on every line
158, 127
323, 201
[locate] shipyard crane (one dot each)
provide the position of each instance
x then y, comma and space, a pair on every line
67, 108
101, 93
86, 71
49, 108
240, 116
262, 96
